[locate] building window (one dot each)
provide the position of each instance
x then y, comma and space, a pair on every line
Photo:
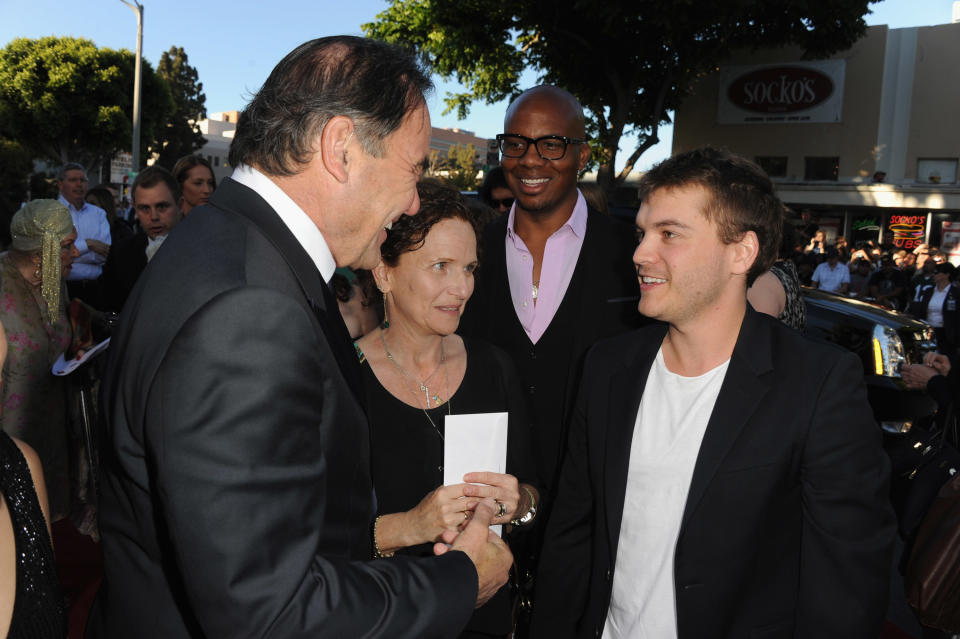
821, 169
937, 171
773, 165
216, 160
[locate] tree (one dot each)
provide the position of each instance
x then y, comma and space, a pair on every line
629, 62
181, 135
64, 99
458, 167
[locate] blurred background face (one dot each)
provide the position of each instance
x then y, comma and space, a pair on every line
73, 186
502, 199
198, 186
156, 210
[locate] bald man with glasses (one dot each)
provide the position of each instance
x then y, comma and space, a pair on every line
556, 276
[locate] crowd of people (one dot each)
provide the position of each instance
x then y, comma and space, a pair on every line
920, 282
275, 401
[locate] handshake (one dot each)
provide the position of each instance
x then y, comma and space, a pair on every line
489, 554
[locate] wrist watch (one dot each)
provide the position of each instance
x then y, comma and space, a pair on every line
528, 516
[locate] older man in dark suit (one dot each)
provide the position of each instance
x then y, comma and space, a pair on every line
237, 497
724, 477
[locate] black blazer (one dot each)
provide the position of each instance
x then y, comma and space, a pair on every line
237, 496
600, 301
787, 530
123, 267
951, 316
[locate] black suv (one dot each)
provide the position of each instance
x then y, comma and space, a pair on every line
884, 340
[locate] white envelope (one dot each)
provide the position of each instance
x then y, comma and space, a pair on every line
474, 443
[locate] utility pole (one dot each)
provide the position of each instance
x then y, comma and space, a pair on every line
137, 8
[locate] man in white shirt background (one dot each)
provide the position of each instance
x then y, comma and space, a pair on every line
724, 477
93, 234
831, 275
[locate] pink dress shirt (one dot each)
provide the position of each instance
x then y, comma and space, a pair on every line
559, 259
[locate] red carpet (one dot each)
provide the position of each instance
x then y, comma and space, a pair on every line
80, 566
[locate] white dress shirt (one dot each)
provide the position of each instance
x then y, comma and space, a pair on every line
91, 224
302, 227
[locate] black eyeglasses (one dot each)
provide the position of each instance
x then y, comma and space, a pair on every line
506, 202
549, 147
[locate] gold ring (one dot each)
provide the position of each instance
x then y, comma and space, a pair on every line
501, 509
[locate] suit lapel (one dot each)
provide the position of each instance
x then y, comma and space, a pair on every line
744, 386
626, 391
241, 200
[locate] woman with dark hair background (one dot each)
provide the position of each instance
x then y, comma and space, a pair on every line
777, 292
197, 181
103, 197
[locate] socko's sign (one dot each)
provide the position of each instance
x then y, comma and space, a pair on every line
907, 230
784, 93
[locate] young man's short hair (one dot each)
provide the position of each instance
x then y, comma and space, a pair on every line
742, 197
152, 176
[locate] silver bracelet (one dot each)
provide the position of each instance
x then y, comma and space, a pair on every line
530, 514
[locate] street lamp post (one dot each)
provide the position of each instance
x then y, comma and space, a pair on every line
137, 8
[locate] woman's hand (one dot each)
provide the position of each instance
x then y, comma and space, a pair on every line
442, 509
501, 488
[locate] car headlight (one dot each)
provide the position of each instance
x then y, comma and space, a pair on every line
888, 355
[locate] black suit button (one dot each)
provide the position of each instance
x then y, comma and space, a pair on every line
608, 575
533, 353
532, 389
597, 632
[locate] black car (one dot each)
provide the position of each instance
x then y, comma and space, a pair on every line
884, 340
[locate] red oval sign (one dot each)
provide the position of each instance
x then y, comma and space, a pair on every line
780, 89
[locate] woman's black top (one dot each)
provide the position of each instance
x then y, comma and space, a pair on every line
407, 451
38, 607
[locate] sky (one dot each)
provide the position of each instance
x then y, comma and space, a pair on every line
234, 45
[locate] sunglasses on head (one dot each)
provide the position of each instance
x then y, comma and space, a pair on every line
506, 202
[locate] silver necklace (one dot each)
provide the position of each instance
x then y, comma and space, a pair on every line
436, 399
408, 378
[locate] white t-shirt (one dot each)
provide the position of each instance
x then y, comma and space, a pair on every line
671, 421
935, 307
830, 279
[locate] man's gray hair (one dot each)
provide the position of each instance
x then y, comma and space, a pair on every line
70, 166
374, 83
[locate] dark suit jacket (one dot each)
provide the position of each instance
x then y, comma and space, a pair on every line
787, 530
600, 301
124, 266
237, 495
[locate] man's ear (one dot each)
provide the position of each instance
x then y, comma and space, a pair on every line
584, 155
334, 139
745, 252
381, 275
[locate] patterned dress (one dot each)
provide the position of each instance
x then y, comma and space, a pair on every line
794, 312
34, 400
